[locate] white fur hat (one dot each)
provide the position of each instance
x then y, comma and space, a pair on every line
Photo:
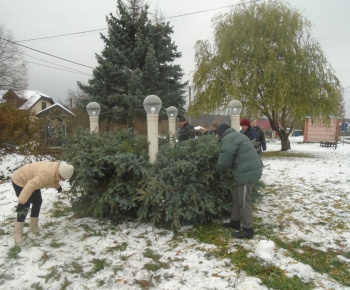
65, 170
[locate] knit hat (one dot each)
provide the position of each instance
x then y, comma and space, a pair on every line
65, 170
221, 129
182, 119
245, 122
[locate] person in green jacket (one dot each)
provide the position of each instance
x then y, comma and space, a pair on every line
238, 154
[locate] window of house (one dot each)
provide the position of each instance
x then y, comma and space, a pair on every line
43, 105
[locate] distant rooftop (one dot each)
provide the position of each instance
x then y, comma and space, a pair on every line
56, 105
32, 97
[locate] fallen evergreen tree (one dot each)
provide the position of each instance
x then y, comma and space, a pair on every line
113, 179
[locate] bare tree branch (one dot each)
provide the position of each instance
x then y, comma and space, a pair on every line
13, 67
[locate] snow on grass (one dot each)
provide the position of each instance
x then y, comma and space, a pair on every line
304, 211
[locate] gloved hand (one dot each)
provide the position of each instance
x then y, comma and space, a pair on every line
59, 189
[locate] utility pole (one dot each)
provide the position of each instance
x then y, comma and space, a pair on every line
189, 101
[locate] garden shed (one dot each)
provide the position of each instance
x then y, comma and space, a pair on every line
55, 124
315, 132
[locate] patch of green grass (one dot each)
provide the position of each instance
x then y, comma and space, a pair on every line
75, 268
91, 232
211, 233
65, 284
124, 258
99, 264
2, 232
60, 210
288, 154
36, 286
52, 275
89, 250
270, 190
152, 266
145, 284
156, 264
152, 255
48, 234
120, 247
101, 282
271, 276
322, 262
86, 227
55, 244
48, 224
117, 269
13, 252
4, 277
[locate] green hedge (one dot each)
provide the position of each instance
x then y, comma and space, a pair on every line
113, 179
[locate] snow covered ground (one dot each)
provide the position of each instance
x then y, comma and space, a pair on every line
305, 198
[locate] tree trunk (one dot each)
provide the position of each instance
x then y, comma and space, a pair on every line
284, 136
130, 122
285, 143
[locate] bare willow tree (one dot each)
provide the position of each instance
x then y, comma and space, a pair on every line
78, 98
13, 67
264, 55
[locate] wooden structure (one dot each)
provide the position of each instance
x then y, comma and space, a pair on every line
315, 132
55, 124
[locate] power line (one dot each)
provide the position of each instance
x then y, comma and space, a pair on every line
46, 53
74, 33
69, 69
170, 17
82, 32
197, 12
72, 71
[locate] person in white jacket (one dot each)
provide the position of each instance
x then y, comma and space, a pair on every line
27, 182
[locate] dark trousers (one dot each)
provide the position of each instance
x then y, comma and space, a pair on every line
35, 199
242, 207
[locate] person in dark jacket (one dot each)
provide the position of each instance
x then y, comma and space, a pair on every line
247, 129
186, 130
250, 133
260, 136
237, 153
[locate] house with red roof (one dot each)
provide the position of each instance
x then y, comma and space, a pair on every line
265, 126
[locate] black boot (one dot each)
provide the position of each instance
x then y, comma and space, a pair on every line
244, 234
236, 225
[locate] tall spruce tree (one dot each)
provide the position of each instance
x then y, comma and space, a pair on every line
135, 62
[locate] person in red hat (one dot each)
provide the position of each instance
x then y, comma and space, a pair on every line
248, 130
251, 134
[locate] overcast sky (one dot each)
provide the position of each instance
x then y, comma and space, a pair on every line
42, 18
